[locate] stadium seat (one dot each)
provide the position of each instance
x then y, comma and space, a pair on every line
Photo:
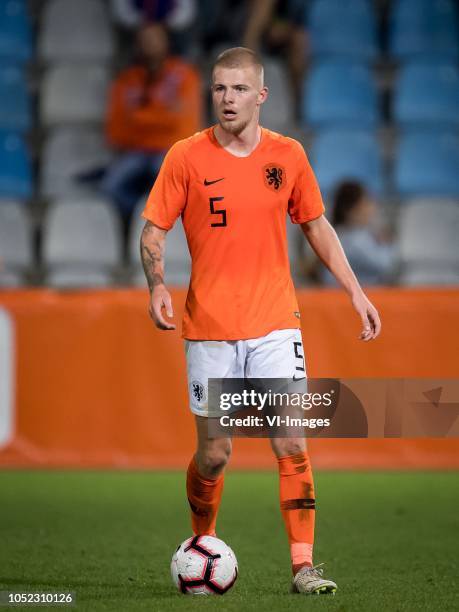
338, 155
15, 167
416, 276
137, 274
15, 109
177, 262
427, 93
340, 93
15, 243
277, 112
15, 31
343, 28
77, 276
10, 279
135, 230
296, 243
81, 243
73, 93
293, 237
70, 153
76, 31
177, 256
429, 243
427, 164
424, 28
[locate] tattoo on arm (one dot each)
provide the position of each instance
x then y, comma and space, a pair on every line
152, 255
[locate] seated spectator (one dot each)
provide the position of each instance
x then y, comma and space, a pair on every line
151, 105
280, 26
370, 254
179, 16
273, 27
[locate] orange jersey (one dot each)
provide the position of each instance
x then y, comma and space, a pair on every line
150, 117
234, 213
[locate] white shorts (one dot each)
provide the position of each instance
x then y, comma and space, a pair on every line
279, 354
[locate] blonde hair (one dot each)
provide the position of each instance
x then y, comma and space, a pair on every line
239, 57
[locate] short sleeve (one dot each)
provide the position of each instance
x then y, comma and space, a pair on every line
169, 193
305, 202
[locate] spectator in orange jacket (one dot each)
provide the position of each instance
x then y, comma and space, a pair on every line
152, 104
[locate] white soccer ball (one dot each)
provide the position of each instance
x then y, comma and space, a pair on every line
204, 565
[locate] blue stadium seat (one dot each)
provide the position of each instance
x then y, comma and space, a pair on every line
15, 31
344, 28
347, 154
340, 93
427, 164
427, 92
424, 28
15, 109
15, 167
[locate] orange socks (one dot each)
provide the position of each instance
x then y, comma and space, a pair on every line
298, 506
296, 498
204, 496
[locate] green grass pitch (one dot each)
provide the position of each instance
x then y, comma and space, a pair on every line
390, 540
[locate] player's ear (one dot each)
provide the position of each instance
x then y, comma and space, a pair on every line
263, 94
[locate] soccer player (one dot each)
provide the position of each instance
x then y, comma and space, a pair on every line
233, 184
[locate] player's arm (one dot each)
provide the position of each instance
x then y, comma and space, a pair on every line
325, 243
152, 243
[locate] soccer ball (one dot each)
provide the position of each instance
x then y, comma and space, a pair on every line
204, 565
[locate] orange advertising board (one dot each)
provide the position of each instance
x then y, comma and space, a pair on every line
94, 384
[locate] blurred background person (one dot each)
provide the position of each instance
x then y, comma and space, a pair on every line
368, 249
152, 104
279, 27
179, 16
273, 28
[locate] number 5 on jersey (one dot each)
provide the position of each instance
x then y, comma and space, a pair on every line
214, 211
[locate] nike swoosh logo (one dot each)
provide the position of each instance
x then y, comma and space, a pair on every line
207, 183
301, 378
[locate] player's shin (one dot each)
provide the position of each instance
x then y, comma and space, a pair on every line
297, 502
204, 496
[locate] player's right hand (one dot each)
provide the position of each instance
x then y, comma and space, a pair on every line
371, 323
161, 299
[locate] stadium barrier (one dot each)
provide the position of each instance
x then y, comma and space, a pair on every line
87, 381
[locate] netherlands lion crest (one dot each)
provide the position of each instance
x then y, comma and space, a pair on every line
198, 391
274, 176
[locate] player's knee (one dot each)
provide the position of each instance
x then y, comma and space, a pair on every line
283, 447
213, 461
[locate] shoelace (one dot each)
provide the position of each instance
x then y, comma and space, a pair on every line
316, 571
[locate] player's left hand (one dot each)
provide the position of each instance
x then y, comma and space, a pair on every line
369, 316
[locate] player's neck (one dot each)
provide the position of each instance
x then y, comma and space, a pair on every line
240, 145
